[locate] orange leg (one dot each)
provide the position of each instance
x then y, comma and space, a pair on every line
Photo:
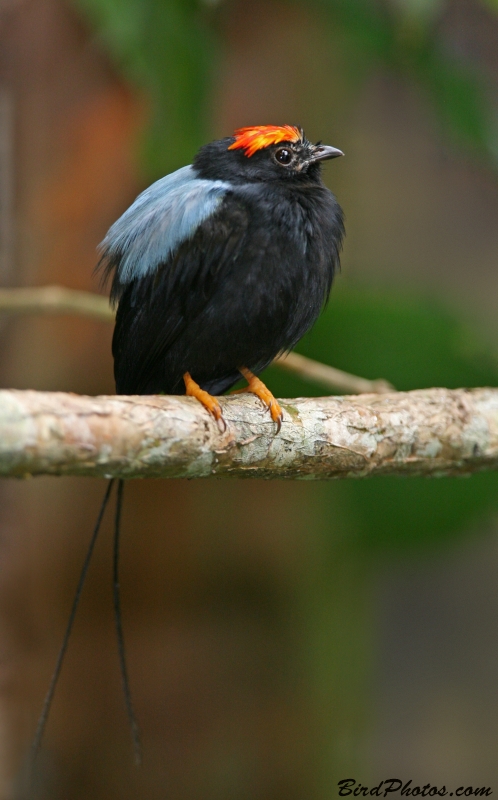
258, 388
210, 403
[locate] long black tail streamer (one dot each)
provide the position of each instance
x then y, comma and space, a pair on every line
135, 733
35, 746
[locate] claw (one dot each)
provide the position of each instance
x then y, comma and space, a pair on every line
276, 413
221, 422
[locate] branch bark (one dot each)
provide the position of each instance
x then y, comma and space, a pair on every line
427, 432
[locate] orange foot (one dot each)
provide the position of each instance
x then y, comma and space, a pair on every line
192, 389
258, 388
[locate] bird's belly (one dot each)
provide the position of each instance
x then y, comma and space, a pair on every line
248, 324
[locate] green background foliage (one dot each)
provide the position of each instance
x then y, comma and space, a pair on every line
166, 48
169, 47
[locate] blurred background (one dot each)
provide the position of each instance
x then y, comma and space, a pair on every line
281, 636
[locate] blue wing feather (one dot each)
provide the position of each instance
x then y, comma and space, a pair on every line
158, 222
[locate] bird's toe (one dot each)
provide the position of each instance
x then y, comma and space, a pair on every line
257, 387
210, 403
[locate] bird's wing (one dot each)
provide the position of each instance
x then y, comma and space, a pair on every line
156, 307
149, 233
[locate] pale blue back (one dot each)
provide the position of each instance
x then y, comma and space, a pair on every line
161, 218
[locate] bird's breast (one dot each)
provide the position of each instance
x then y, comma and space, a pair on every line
282, 275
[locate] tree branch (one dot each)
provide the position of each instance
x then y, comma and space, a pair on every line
332, 378
426, 432
59, 300
55, 300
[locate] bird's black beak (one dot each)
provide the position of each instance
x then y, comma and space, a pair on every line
321, 152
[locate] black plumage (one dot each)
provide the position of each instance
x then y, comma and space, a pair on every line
247, 281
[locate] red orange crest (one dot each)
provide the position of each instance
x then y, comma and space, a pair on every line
253, 139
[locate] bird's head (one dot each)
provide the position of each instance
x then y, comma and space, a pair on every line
264, 153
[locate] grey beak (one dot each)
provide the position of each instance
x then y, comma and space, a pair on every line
324, 151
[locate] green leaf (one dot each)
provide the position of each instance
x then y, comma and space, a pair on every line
166, 48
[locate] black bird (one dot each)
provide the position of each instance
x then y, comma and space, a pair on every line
223, 265
217, 269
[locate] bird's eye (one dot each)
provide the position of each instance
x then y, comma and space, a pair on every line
283, 156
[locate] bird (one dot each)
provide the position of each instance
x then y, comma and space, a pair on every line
216, 270
223, 265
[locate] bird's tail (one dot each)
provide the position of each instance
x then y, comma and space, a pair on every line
135, 733
42, 721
